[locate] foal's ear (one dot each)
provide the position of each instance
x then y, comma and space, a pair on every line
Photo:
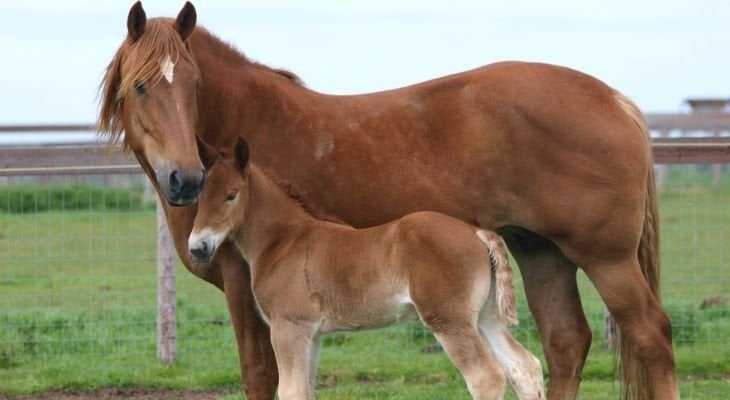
241, 154
208, 154
185, 22
136, 21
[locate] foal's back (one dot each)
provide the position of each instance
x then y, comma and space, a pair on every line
425, 262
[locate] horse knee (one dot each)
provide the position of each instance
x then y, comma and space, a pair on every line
579, 338
652, 339
566, 351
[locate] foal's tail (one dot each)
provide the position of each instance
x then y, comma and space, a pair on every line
501, 277
634, 379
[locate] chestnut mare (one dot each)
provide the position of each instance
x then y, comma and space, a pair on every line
554, 160
311, 277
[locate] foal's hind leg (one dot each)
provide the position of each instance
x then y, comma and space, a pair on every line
522, 368
550, 284
469, 353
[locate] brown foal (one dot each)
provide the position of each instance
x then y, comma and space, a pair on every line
311, 277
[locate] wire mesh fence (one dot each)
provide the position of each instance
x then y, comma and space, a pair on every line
78, 276
78, 273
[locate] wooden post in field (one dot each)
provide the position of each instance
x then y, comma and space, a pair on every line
610, 330
166, 328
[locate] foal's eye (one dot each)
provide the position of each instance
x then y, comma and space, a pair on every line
231, 195
139, 88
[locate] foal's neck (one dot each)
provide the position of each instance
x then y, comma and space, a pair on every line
271, 217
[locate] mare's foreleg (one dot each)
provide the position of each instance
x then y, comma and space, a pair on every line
552, 294
256, 356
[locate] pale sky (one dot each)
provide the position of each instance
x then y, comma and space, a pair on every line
53, 53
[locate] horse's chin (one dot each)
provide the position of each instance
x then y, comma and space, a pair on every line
182, 201
202, 262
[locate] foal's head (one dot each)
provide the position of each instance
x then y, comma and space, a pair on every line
222, 203
149, 92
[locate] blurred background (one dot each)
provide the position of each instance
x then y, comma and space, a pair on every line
656, 52
79, 238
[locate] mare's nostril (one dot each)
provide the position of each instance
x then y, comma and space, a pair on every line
175, 182
202, 182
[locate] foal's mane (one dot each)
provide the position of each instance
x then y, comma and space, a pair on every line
300, 198
139, 62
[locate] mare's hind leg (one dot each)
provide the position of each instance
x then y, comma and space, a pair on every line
641, 320
469, 353
552, 294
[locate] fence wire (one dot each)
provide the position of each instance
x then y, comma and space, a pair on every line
78, 275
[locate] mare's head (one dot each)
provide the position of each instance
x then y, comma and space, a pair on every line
222, 203
149, 92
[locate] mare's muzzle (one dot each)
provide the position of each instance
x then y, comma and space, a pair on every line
181, 188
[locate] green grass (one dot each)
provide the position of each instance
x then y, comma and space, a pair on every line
78, 302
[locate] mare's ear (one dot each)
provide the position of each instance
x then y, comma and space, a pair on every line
208, 154
241, 154
185, 22
136, 21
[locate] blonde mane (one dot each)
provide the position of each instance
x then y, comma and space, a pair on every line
133, 64
139, 62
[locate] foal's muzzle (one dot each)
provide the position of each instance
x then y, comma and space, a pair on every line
201, 251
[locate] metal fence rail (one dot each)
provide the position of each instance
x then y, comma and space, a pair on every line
89, 269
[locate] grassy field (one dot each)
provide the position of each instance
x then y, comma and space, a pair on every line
78, 301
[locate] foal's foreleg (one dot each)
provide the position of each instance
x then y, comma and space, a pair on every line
314, 360
293, 347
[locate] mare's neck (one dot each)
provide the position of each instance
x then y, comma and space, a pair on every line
271, 218
240, 98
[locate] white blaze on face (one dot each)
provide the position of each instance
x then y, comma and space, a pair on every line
167, 68
211, 238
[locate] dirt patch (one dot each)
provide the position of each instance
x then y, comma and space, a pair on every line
123, 393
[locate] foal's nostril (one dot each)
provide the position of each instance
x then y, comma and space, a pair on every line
175, 182
201, 251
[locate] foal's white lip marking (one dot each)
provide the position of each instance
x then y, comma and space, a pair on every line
208, 235
167, 68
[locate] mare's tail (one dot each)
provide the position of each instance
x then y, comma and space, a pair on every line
501, 277
634, 379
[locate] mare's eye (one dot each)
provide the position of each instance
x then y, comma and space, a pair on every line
231, 195
139, 88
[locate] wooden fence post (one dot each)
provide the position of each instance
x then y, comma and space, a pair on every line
166, 325
610, 331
